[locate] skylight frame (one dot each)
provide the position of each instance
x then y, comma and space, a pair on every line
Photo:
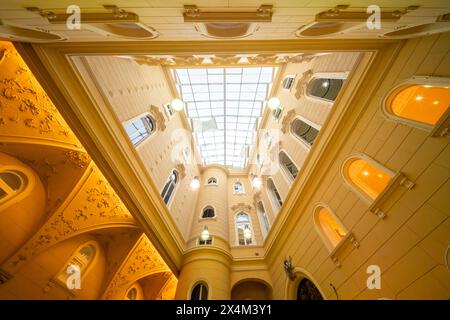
236, 103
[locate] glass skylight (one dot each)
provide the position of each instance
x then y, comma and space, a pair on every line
224, 105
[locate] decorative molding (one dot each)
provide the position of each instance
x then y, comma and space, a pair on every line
193, 14
348, 239
159, 118
287, 120
77, 159
141, 262
300, 88
241, 207
181, 168
4, 276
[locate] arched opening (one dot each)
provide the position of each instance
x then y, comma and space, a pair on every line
329, 227
324, 88
367, 177
238, 187
422, 103
288, 165
169, 187
208, 212
200, 292
307, 290
135, 292
251, 290
274, 195
304, 131
12, 182
264, 221
212, 181
243, 229
139, 129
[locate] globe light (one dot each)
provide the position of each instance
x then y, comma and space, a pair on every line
177, 104
195, 183
273, 103
257, 183
205, 234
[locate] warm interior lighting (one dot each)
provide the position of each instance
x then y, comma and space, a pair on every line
205, 234
367, 177
274, 103
247, 233
257, 183
330, 227
177, 104
243, 60
207, 60
421, 103
195, 183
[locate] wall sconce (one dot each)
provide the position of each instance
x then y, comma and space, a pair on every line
247, 233
274, 103
257, 182
289, 268
205, 234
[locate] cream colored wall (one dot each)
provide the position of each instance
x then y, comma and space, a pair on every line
215, 196
131, 89
408, 245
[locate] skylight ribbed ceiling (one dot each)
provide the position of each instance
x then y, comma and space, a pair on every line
224, 105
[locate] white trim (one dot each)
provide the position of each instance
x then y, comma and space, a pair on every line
261, 219
308, 122
320, 231
325, 75
251, 229
275, 204
243, 187
399, 86
364, 196
203, 209
150, 134
172, 196
287, 174
26, 188
293, 76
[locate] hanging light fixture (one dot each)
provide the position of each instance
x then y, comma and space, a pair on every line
247, 233
205, 234
195, 183
274, 103
257, 182
177, 104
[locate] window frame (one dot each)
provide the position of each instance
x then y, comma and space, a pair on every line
326, 75
327, 242
250, 223
140, 117
290, 76
242, 185
287, 173
30, 179
210, 240
363, 195
208, 207
414, 80
174, 189
311, 124
275, 202
199, 282
212, 184
264, 230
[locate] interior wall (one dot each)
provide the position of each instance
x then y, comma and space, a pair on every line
415, 233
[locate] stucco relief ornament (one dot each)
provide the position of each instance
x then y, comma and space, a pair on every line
300, 88
289, 268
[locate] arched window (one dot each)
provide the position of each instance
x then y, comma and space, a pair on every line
169, 187
366, 176
274, 194
243, 229
287, 164
308, 291
264, 221
139, 128
11, 184
132, 294
304, 131
420, 103
208, 212
329, 227
238, 187
200, 292
324, 88
80, 262
212, 181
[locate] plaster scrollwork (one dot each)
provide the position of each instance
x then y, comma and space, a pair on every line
141, 262
300, 88
159, 118
181, 169
287, 120
241, 207
92, 205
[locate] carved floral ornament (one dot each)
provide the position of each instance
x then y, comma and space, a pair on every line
241, 207
287, 120
224, 59
300, 88
158, 116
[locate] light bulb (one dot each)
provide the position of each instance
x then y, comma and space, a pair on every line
205, 234
257, 183
247, 233
195, 183
177, 104
274, 103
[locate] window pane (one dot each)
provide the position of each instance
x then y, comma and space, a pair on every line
421, 103
367, 177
